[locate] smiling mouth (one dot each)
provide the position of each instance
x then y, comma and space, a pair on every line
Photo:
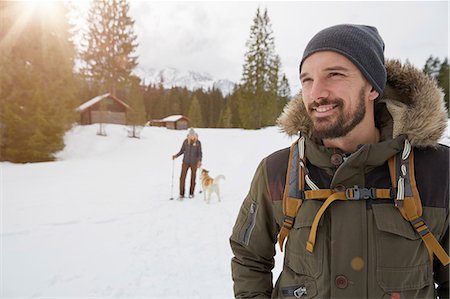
324, 108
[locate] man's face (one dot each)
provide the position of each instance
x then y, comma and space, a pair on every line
335, 94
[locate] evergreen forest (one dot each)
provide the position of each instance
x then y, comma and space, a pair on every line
45, 75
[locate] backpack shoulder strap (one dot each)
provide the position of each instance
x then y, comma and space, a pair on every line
293, 193
408, 201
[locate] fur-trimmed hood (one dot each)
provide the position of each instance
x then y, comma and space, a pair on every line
414, 101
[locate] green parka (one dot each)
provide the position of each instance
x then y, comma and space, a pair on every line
365, 248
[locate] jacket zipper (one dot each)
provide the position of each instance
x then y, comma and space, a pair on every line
250, 223
297, 292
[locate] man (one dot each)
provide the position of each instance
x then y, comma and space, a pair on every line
354, 113
192, 159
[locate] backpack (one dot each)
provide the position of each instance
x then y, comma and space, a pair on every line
403, 191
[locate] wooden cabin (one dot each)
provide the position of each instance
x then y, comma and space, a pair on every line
174, 122
105, 108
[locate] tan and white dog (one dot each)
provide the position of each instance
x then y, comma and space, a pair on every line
210, 185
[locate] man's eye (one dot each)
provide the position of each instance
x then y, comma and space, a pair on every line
335, 74
305, 80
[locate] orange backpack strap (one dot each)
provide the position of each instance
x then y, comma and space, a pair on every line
408, 200
293, 193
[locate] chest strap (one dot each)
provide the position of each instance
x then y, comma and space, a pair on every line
330, 196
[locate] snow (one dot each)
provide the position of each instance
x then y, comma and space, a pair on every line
98, 99
99, 223
91, 102
172, 117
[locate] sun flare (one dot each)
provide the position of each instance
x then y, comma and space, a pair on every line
21, 13
47, 8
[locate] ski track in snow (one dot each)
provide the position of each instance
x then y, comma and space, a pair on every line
99, 222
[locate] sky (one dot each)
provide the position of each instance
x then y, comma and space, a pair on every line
210, 36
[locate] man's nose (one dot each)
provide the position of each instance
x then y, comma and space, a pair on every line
319, 90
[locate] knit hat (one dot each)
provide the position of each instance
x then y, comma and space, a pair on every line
192, 132
361, 44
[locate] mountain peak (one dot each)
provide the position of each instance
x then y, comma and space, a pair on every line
173, 77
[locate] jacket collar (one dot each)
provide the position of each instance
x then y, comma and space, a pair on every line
364, 160
412, 105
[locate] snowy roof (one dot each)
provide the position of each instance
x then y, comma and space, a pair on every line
173, 117
97, 99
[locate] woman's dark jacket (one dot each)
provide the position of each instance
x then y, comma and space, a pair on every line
192, 152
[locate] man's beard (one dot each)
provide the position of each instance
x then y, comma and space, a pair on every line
343, 124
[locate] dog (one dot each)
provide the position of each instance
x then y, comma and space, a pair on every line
210, 185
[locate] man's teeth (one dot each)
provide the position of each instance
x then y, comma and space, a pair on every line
324, 108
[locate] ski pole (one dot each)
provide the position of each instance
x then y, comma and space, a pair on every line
173, 163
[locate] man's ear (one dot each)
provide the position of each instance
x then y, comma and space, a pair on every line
373, 94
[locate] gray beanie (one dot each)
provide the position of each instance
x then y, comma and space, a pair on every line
192, 132
360, 43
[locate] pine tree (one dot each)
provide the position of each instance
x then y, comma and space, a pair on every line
225, 119
195, 114
444, 81
218, 104
109, 45
136, 117
439, 71
232, 101
284, 92
36, 81
173, 102
432, 66
258, 93
154, 101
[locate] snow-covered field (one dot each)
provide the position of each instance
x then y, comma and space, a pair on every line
99, 222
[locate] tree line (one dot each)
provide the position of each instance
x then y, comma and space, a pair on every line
438, 70
107, 63
45, 76
255, 102
37, 84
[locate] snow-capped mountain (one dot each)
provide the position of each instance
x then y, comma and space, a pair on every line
225, 86
172, 77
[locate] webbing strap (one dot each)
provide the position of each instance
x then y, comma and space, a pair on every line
318, 194
349, 194
412, 181
284, 231
323, 194
392, 170
411, 209
422, 229
383, 193
301, 162
313, 232
433, 246
436, 248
